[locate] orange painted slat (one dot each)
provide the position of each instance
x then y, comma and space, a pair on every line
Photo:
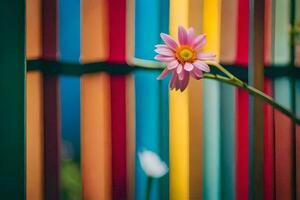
130, 136
195, 19
34, 137
33, 29
34, 106
130, 31
95, 138
95, 104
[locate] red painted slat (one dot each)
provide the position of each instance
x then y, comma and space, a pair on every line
242, 176
117, 31
283, 156
51, 112
268, 146
268, 111
117, 42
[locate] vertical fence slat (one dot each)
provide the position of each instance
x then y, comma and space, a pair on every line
242, 103
212, 106
34, 105
117, 43
228, 114
282, 94
195, 20
95, 104
179, 118
149, 121
12, 111
297, 101
256, 78
51, 105
268, 110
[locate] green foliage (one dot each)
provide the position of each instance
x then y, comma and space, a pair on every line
70, 181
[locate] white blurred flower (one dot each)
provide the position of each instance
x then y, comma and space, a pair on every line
152, 165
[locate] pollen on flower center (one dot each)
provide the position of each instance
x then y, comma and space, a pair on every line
185, 53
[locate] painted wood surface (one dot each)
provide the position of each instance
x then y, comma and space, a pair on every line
229, 11
268, 110
117, 42
195, 19
52, 129
96, 104
150, 133
282, 94
242, 105
34, 105
179, 117
212, 131
12, 106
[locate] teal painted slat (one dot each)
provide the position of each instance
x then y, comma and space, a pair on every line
281, 50
12, 99
228, 141
164, 136
164, 110
211, 140
152, 116
283, 94
147, 125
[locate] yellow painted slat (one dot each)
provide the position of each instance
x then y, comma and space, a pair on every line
179, 117
95, 104
34, 137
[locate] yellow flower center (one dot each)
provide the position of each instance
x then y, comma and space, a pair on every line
185, 53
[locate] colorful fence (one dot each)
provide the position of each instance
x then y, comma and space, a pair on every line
93, 101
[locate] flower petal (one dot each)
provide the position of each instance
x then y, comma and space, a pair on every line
164, 73
201, 65
161, 46
196, 73
169, 41
206, 56
184, 83
164, 58
188, 67
182, 35
173, 80
199, 42
164, 52
172, 65
191, 35
151, 164
179, 69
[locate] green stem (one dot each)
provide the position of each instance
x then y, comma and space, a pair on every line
227, 73
238, 83
149, 185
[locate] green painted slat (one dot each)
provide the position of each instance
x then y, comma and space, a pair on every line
12, 103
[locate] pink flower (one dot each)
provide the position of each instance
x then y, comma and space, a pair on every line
183, 59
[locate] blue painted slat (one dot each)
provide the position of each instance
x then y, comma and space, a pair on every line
147, 28
152, 115
69, 51
147, 124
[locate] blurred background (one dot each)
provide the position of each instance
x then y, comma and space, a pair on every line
93, 101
